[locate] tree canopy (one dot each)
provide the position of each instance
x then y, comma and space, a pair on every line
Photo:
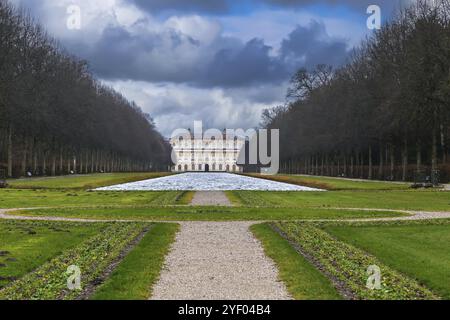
384, 114
55, 117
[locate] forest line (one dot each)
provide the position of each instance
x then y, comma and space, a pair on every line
56, 118
384, 115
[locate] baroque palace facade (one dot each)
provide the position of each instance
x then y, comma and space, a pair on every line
207, 155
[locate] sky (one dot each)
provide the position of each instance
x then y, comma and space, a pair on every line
219, 61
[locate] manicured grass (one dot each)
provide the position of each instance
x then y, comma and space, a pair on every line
206, 213
90, 181
138, 272
397, 200
329, 183
234, 198
27, 245
93, 257
418, 250
302, 280
10, 198
349, 265
186, 198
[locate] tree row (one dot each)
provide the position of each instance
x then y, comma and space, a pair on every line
56, 118
385, 114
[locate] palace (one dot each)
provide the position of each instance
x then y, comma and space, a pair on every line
205, 155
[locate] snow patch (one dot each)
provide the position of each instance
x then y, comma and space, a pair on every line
206, 182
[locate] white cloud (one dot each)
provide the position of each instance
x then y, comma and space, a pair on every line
177, 105
204, 30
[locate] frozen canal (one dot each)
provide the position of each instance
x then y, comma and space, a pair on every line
206, 182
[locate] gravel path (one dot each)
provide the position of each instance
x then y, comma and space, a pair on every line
211, 260
211, 198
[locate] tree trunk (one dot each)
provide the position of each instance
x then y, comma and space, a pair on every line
44, 164
322, 171
345, 165
35, 162
434, 166
80, 171
380, 169
24, 158
443, 145
392, 162
92, 162
361, 165
338, 173
68, 165
352, 170
61, 161
419, 157
10, 155
405, 159
53, 165
370, 164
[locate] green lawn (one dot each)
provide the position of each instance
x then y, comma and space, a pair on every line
92, 256
11, 198
206, 213
26, 245
336, 184
418, 250
397, 200
303, 281
90, 181
138, 272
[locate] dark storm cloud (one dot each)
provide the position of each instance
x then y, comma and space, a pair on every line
204, 6
243, 66
357, 4
304, 47
119, 54
224, 6
227, 62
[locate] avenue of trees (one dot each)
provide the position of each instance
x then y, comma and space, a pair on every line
56, 118
383, 115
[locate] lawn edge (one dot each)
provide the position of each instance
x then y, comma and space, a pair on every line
329, 251
166, 231
267, 235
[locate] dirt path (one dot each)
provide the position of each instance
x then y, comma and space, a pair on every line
215, 260
211, 198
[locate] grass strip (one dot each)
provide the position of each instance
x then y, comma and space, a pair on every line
189, 213
49, 281
302, 280
349, 265
25, 245
138, 272
167, 198
80, 182
418, 249
333, 183
185, 198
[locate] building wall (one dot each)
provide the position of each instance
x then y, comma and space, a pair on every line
196, 155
